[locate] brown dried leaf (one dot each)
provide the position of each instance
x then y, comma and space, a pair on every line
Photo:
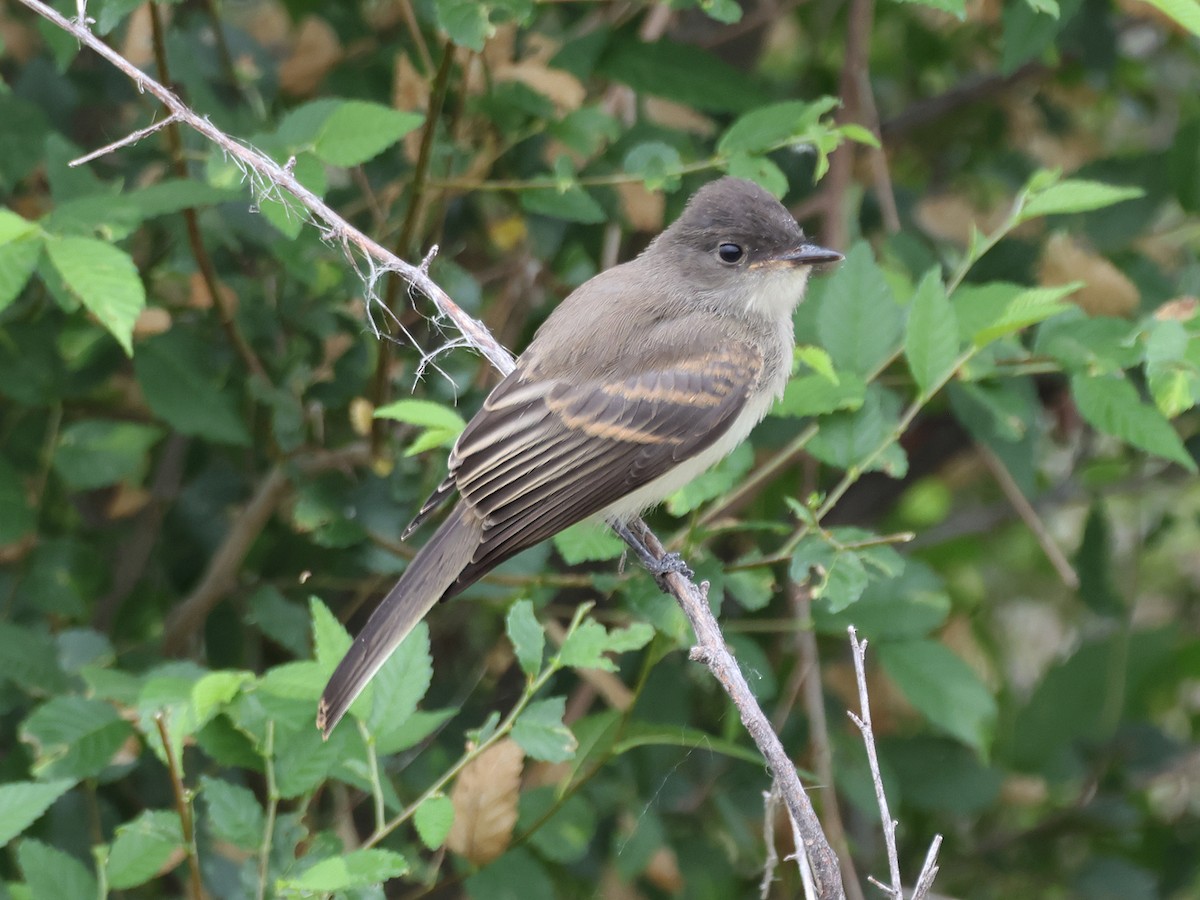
1181, 309
950, 217
138, 44
563, 89
362, 416
485, 803
677, 116
125, 501
200, 298
663, 871
151, 321
644, 209
315, 51
266, 21
18, 42
1106, 291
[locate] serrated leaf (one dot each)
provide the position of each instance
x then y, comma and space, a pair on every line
233, 813
527, 636
773, 125
177, 379
560, 829
859, 323
401, 682
95, 453
585, 647
142, 848
330, 638
1076, 195
759, 169
74, 737
1111, 404
680, 72
104, 279
52, 874
931, 342
572, 204
540, 731
587, 541
357, 131
816, 395
838, 577
215, 690
988, 312
943, 688
23, 802
657, 163
356, 869
848, 439
713, 483
14, 227
818, 360
433, 820
18, 261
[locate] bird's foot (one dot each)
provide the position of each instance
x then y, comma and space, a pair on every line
660, 567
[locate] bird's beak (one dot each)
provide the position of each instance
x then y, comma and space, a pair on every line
809, 255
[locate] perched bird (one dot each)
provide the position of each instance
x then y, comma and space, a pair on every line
641, 379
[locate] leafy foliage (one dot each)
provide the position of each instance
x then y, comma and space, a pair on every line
207, 448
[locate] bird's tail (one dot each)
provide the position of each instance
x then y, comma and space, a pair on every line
430, 574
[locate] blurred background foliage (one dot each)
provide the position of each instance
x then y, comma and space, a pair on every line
213, 430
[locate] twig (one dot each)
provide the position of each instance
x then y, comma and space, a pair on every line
771, 862
208, 272
128, 140
809, 662
268, 837
186, 620
710, 649
183, 809
863, 722
1024, 509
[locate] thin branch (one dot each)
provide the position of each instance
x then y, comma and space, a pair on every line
808, 660
187, 619
126, 141
1024, 509
771, 862
183, 808
268, 837
710, 649
863, 721
208, 272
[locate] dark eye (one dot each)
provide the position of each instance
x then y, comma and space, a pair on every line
730, 253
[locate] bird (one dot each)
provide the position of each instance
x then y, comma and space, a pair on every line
642, 378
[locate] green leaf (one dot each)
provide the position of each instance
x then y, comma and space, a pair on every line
818, 360
766, 128
563, 834
18, 261
1076, 195
178, 380
943, 688
52, 874
988, 312
142, 848
104, 279
441, 424
74, 737
466, 22
401, 682
586, 647
95, 453
657, 163
859, 322
1094, 563
816, 395
234, 813
541, 733
931, 343
956, 8
847, 439
528, 638
572, 204
284, 210
1088, 344
759, 169
14, 227
357, 131
330, 638
587, 541
911, 605
23, 802
433, 820
838, 577
18, 520
216, 690
1184, 12
356, 869
1112, 405
713, 483
682, 73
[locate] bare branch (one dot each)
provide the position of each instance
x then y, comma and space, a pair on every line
126, 141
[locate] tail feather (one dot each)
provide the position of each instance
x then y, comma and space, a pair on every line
430, 574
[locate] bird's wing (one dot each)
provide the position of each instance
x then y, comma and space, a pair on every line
543, 454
